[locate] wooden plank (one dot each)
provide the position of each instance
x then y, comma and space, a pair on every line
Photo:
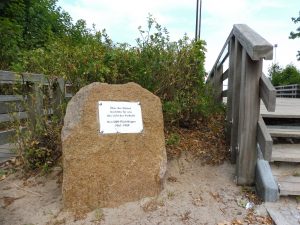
6, 152
9, 76
231, 47
35, 104
284, 131
218, 84
267, 93
289, 85
225, 75
58, 97
248, 118
10, 103
283, 169
10, 98
285, 108
23, 77
5, 136
224, 93
264, 139
9, 117
223, 60
236, 86
256, 46
286, 152
211, 74
288, 185
6, 107
68, 95
277, 216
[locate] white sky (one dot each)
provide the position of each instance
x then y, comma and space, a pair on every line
270, 18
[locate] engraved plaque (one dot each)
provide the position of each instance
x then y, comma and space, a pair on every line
120, 117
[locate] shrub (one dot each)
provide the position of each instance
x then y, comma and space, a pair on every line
172, 70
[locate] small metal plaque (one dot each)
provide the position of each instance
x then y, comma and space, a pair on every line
120, 117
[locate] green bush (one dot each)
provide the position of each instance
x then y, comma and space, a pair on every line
37, 137
172, 70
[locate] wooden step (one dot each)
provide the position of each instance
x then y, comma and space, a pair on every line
287, 175
284, 131
289, 185
286, 152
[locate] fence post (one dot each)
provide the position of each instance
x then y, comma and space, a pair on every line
249, 104
58, 97
236, 82
35, 102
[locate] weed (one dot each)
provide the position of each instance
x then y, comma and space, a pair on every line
296, 174
186, 216
173, 139
171, 195
99, 215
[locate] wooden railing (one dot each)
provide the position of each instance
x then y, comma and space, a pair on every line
288, 91
32, 91
245, 51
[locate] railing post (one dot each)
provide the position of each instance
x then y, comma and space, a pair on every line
231, 47
218, 84
249, 104
236, 83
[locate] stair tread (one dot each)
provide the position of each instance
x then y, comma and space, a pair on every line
286, 152
287, 175
284, 131
289, 187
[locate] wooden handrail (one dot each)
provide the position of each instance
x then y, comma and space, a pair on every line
255, 45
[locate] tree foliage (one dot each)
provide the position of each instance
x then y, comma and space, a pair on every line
284, 76
296, 34
29, 24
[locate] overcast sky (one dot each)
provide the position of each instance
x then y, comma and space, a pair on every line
270, 18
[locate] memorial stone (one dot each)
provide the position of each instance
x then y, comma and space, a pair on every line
113, 147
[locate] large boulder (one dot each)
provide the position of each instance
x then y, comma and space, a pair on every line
106, 170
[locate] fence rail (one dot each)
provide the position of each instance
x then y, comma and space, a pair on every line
245, 50
32, 91
288, 91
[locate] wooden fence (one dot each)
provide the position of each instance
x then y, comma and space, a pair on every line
32, 89
245, 51
288, 91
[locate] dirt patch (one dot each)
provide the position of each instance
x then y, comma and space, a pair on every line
205, 140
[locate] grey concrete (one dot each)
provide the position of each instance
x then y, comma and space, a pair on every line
266, 186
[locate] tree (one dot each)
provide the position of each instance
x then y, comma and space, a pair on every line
296, 34
29, 24
11, 30
284, 76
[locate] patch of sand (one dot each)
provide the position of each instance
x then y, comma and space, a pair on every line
193, 194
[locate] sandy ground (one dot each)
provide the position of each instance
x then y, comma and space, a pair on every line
193, 194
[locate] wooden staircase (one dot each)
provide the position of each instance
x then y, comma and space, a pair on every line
285, 153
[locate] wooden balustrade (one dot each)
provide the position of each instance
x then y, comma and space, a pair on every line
245, 50
12, 106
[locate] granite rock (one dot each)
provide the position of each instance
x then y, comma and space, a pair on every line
107, 170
